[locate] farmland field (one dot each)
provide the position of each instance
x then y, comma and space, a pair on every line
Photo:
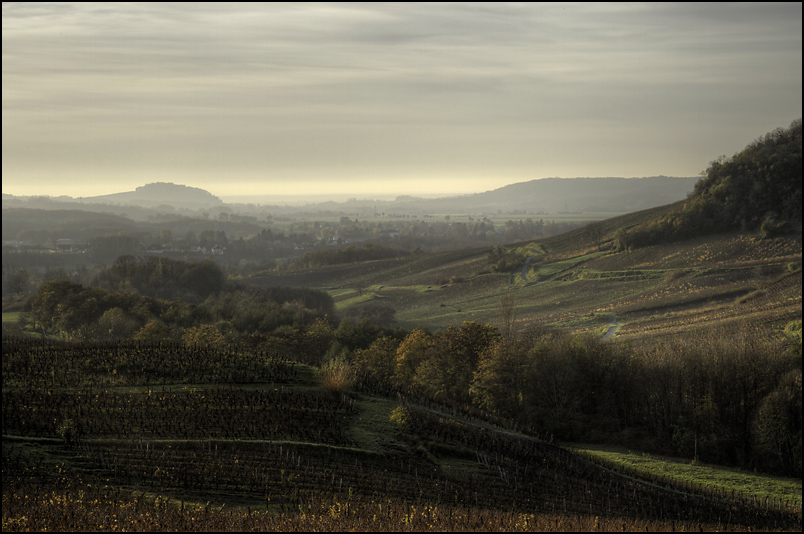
139, 435
725, 282
123, 427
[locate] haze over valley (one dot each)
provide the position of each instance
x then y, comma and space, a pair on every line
541, 196
375, 365
287, 267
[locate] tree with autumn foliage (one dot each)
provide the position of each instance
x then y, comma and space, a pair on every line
502, 377
412, 351
378, 361
452, 359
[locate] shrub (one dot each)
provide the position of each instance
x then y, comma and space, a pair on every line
400, 417
675, 275
337, 377
67, 431
771, 227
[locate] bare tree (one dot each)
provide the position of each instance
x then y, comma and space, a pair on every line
594, 232
507, 314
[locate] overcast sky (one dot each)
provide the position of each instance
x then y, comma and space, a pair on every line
377, 99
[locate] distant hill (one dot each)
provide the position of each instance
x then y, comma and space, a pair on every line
546, 195
161, 193
574, 195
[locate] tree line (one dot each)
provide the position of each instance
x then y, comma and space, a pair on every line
161, 299
733, 401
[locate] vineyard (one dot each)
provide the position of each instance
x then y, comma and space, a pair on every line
137, 436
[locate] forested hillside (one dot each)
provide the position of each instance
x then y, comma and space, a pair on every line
757, 188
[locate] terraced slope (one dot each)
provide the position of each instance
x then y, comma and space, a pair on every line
714, 282
270, 438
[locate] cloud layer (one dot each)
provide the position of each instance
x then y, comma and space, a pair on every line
102, 97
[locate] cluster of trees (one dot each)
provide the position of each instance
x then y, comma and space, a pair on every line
729, 401
105, 249
163, 278
127, 301
252, 311
72, 311
315, 241
397, 235
756, 189
502, 259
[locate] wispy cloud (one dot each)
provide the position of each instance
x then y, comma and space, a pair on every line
319, 91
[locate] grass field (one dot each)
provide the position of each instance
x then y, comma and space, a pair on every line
11, 317
758, 485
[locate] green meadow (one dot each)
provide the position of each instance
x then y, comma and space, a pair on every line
685, 472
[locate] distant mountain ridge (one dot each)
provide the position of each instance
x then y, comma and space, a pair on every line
545, 195
576, 195
158, 193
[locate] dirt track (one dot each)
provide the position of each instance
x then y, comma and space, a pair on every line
613, 326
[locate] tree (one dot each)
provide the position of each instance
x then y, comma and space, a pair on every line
501, 379
453, 358
380, 314
19, 281
154, 330
60, 304
507, 314
411, 352
594, 232
318, 337
190, 239
555, 389
621, 240
377, 361
203, 279
205, 335
777, 425
115, 324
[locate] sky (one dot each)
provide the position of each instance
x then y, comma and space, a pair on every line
384, 99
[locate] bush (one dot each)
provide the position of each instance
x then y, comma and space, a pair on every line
400, 417
67, 431
771, 227
337, 377
675, 275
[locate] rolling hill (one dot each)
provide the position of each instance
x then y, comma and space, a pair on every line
573, 195
701, 264
268, 436
148, 445
714, 282
161, 193
547, 195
